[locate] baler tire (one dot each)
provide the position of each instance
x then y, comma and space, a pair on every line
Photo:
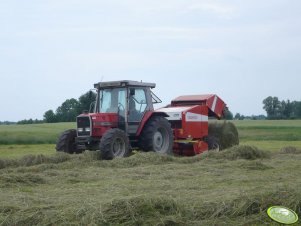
114, 144
213, 143
66, 142
157, 136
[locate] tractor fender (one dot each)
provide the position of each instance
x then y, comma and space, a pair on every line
147, 116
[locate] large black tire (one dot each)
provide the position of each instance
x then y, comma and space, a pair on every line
66, 142
157, 136
213, 143
114, 144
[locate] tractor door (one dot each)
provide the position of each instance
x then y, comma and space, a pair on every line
137, 102
114, 101
121, 108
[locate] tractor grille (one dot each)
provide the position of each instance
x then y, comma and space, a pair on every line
83, 126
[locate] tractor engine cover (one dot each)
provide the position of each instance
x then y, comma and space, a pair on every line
96, 124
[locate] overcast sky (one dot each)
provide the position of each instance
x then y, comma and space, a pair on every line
242, 51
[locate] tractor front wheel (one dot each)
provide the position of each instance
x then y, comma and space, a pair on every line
114, 144
66, 142
157, 136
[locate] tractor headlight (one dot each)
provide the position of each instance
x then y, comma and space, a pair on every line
80, 130
87, 129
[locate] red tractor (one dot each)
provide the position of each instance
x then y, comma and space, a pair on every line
124, 119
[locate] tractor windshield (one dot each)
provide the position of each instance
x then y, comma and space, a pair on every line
112, 100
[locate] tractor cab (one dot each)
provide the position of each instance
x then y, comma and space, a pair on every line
127, 100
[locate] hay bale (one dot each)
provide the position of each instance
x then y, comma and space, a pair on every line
226, 133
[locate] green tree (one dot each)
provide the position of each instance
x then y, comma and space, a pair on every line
272, 106
50, 117
286, 109
86, 100
296, 109
70, 108
237, 116
68, 111
228, 114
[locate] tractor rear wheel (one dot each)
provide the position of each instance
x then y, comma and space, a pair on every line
66, 142
157, 136
114, 144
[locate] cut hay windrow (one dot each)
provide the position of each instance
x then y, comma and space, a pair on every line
31, 160
290, 150
137, 159
160, 210
239, 152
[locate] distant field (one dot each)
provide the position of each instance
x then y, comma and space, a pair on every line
46, 133
269, 130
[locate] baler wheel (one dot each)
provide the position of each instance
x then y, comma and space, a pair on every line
114, 144
66, 142
213, 143
157, 136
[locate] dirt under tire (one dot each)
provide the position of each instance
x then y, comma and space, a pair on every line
66, 142
114, 144
157, 136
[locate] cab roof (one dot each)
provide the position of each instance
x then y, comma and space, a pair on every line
123, 83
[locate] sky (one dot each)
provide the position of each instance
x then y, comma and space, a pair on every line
243, 51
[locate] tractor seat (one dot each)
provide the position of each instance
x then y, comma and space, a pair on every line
134, 114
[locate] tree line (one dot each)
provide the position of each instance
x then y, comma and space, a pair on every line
70, 108
281, 109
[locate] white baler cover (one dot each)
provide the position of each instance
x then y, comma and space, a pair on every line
175, 113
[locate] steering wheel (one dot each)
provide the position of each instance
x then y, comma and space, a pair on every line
121, 107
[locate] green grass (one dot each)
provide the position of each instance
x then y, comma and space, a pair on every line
272, 130
46, 133
16, 151
271, 145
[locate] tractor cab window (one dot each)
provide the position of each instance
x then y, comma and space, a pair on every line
137, 104
112, 101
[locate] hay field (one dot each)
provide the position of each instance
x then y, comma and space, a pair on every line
233, 187
33, 133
